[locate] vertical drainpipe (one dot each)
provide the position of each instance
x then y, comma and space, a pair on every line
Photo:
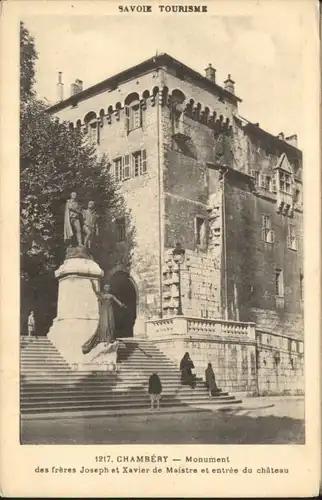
225, 241
160, 198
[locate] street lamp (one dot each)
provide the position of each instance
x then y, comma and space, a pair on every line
178, 254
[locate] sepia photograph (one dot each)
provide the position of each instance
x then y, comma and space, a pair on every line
162, 277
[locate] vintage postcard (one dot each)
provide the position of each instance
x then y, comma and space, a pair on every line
160, 203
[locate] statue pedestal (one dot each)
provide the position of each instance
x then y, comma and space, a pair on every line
77, 309
102, 357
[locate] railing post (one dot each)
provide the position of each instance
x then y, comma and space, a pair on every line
180, 325
251, 331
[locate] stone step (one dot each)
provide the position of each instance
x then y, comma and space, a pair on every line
126, 405
125, 390
122, 402
102, 388
43, 361
103, 385
49, 385
146, 370
117, 396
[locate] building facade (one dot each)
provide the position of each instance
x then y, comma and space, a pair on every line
222, 192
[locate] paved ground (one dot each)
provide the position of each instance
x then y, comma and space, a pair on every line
257, 421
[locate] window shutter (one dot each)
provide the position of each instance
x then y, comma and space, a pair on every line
271, 236
127, 118
262, 180
263, 228
289, 244
288, 239
126, 167
144, 161
141, 114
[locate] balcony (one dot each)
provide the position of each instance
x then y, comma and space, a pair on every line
179, 133
284, 203
185, 326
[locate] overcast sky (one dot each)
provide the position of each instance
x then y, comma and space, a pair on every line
263, 57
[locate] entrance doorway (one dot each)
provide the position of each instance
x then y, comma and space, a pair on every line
123, 288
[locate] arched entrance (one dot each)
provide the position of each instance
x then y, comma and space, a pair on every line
123, 288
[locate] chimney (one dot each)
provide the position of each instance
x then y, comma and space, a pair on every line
60, 87
73, 89
281, 136
210, 73
79, 84
292, 140
229, 85
76, 87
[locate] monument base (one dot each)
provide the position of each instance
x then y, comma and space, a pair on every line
77, 309
102, 358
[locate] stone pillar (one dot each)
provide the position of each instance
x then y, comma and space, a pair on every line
77, 310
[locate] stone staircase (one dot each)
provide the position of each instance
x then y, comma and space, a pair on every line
48, 384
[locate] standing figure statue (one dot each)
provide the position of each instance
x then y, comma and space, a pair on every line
90, 224
73, 221
105, 332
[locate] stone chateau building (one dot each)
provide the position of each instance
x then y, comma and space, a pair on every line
217, 205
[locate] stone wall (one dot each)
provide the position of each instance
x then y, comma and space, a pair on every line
280, 364
252, 262
244, 360
233, 363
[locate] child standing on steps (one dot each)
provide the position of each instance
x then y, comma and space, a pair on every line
155, 390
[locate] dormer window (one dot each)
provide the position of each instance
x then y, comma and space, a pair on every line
285, 183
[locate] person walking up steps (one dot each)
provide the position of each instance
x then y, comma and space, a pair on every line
155, 390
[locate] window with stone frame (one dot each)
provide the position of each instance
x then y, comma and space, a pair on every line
264, 181
117, 168
177, 121
285, 182
120, 230
139, 163
133, 113
267, 233
291, 237
297, 195
279, 283
130, 165
92, 133
200, 231
301, 286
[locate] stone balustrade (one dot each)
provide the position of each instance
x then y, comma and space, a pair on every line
200, 327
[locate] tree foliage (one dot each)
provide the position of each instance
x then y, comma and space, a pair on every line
54, 161
28, 57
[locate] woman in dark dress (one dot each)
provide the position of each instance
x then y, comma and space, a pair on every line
105, 331
210, 380
186, 366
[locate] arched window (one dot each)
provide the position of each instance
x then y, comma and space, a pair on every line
90, 121
133, 112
